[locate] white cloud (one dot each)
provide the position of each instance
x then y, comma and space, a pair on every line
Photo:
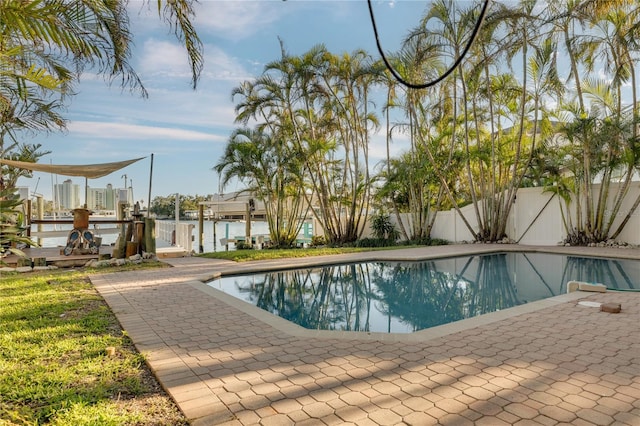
168, 60
218, 65
104, 130
237, 19
164, 58
208, 108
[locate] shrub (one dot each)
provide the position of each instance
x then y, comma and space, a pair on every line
428, 241
241, 245
11, 217
374, 242
318, 240
383, 228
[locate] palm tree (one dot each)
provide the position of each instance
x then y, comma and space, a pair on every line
603, 141
267, 166
47, 44
446, 27
44, 47
320, 101
391, 85
564, 17
413, 175
347, 80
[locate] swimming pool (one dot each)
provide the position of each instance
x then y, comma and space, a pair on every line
403, 297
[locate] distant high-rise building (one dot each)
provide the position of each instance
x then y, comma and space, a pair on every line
110, 199
66, 195
96, 198
101, 198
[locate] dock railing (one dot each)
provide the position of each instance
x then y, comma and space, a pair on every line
179, 235
95, 225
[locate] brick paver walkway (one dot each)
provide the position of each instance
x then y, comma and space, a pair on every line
562, 364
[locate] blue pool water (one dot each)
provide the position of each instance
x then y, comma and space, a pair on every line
403, 297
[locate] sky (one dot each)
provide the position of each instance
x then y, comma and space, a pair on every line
185, 129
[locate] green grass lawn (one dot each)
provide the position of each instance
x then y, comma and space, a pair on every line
248, 255
55, 368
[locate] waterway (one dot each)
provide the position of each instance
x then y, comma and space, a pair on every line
222, 229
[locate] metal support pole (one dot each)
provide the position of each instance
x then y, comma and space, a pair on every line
40, 212
201, 228
247, 229
150, 181
215, 222
86, 192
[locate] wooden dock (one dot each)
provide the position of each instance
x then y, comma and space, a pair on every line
53, 256
171, 252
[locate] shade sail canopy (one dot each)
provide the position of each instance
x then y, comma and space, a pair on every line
89, 171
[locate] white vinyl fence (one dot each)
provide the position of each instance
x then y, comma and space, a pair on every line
534, 220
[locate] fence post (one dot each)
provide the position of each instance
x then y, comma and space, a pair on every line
150, 235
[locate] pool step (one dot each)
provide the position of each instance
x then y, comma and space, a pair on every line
584, 286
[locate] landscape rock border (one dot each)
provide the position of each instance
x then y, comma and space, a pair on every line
93, 263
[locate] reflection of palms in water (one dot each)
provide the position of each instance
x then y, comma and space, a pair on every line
339, 299
609, 272
493, 287
330, 298
419, 295
423, 295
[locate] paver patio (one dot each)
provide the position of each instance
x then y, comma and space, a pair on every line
225, 362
